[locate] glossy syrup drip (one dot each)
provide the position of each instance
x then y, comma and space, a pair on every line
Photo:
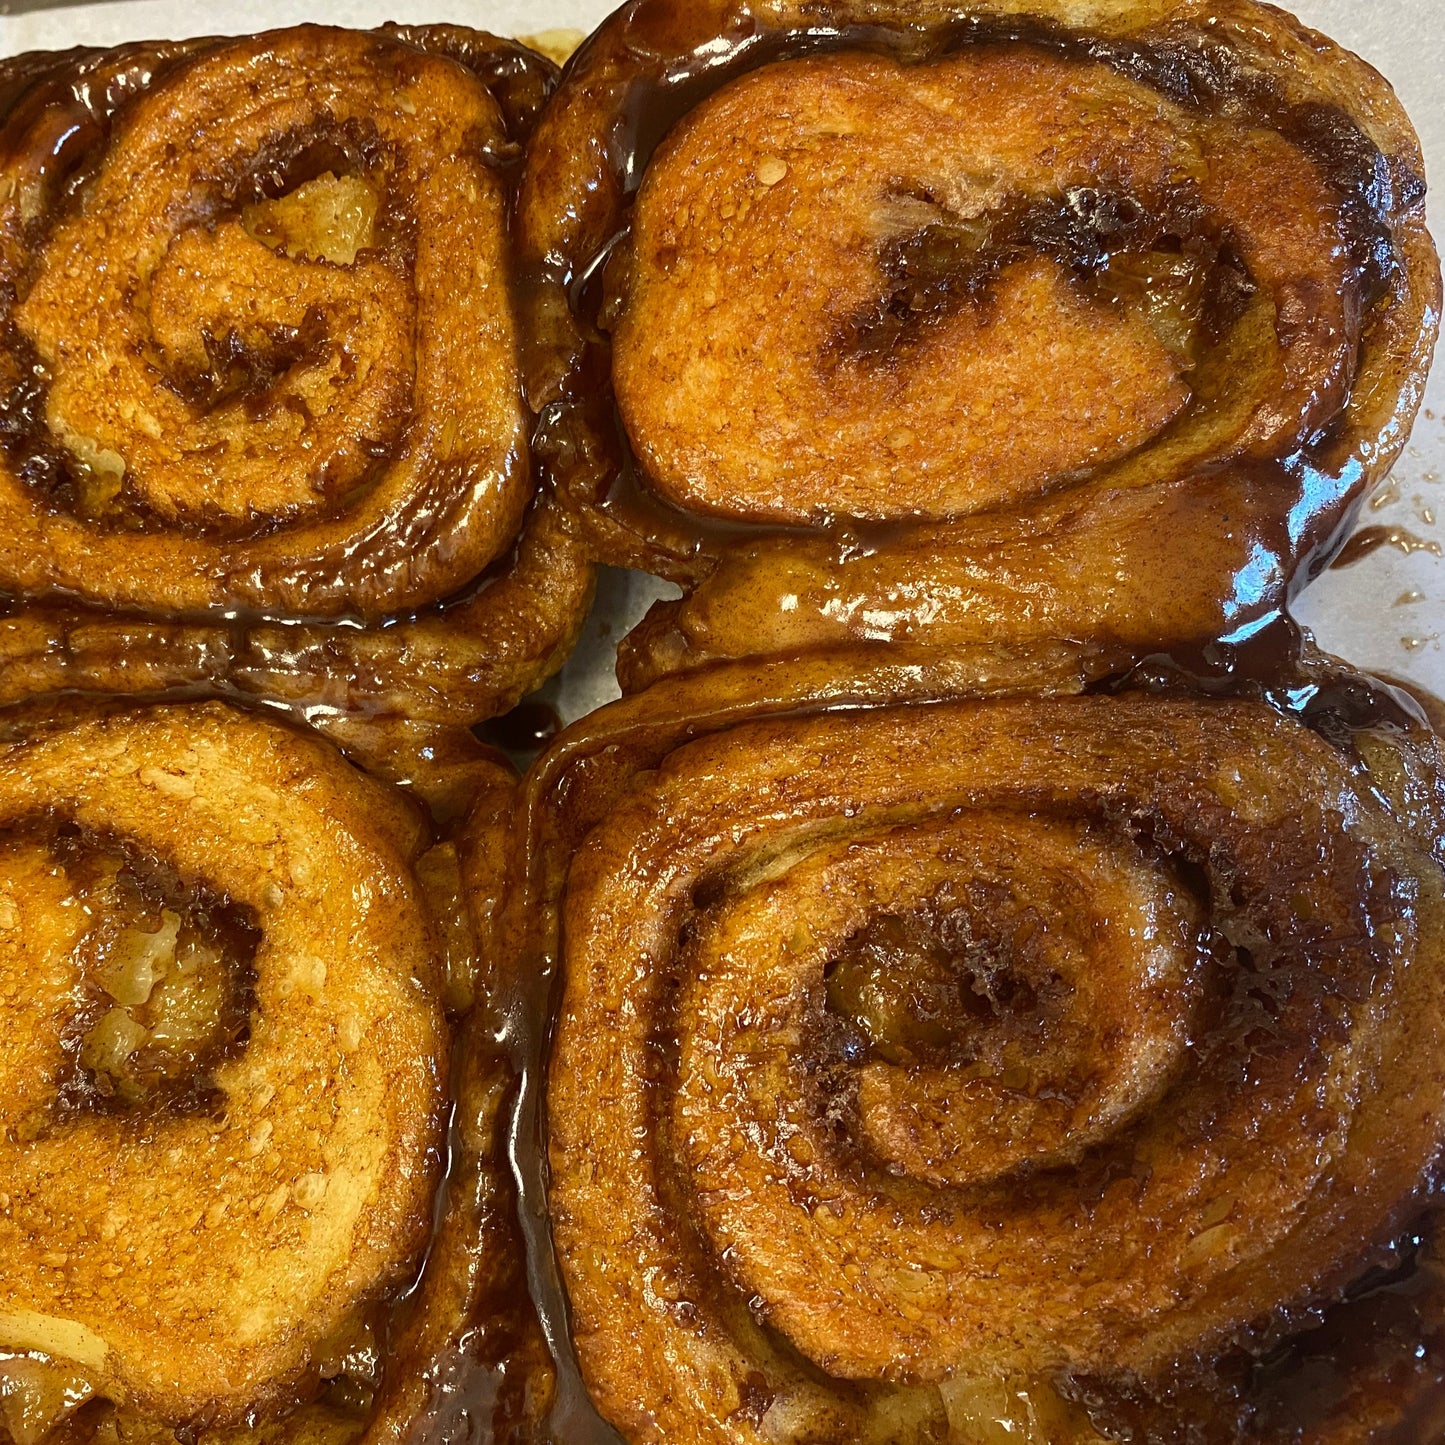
1384, 1339
1371, 539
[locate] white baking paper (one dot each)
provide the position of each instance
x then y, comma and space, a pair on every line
1358, 612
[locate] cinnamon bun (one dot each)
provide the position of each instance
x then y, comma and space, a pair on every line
244, 986
992, 1065
946, 324
261, 422
224, 1056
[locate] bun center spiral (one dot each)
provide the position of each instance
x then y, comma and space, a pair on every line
971, 998
147, 986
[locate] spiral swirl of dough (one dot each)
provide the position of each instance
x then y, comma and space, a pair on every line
918, 1057
941, 325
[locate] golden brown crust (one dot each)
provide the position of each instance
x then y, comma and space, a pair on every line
945, 324
748, 246
748, 1159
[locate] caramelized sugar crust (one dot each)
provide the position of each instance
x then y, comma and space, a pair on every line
224, 1060
945, 325
926, 1062
259, 384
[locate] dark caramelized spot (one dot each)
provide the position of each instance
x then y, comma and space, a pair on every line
292, 158
527, 729
755, 1395
169, 983
25, 440
1204, 73
1160, 258
238, 372
939, 986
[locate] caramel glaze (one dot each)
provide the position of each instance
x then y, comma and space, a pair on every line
1263, 524
494, 1384
1371, 539
441, 661
395, 697
1350, 1356
1385, 1339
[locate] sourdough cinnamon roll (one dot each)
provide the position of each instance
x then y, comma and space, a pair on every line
259, 387
956, 323
982, 1067
242, 988
225, 1059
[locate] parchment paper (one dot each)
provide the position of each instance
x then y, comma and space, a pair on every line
1359, 612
